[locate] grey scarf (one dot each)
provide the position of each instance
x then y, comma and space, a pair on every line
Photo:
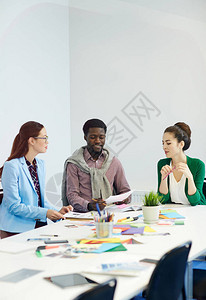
99, 183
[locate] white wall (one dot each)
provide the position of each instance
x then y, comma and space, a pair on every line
34, 78
121, 48
113, 50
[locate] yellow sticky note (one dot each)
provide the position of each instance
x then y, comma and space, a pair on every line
116, 230
149, 229
99, 241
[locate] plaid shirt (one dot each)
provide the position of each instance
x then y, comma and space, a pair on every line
33, 171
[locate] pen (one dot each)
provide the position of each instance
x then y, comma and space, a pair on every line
156, 233
110, 218
129, 219
38, 249
39, 239
46, 247
38, 254
120, 220
98, 209
53, 235
133, 219
169, 173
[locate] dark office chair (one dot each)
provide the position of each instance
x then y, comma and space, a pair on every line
103, 291
204, 187
1, 195
199, 284
199, 270
167, 280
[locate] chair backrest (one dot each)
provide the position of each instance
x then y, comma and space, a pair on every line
204, 187
103, 291
167, 279
1, 195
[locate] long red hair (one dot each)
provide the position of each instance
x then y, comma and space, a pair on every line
20, 145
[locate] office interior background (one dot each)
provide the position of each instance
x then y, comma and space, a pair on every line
139, 65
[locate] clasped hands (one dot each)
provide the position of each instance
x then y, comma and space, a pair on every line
179, 167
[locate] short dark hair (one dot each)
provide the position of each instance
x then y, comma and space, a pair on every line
93, 123
182, 132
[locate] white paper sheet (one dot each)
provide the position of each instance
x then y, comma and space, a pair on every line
76, 215
118, 198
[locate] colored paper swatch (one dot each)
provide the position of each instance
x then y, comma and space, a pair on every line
174, 215
134, 231
106, 247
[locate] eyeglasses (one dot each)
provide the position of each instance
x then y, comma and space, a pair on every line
42, 138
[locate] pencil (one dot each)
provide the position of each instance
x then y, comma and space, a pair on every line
54, 235
169, 173
98, 209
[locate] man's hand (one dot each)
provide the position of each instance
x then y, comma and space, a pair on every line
125, 201
101, 203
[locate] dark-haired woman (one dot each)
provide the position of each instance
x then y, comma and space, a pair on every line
180, 177
23, 180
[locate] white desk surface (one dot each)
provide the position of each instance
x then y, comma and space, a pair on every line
36, 287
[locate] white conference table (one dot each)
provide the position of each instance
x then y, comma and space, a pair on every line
36, 287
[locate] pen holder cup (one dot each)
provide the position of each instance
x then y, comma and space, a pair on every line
104, 229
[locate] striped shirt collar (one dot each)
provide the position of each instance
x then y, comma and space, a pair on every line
29, 164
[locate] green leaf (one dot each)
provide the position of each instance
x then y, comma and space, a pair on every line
152, 199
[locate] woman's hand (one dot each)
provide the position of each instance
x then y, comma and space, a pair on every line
183, 168
57, 215
66, 209
54, 215
166, 170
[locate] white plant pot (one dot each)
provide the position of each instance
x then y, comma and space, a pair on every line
150, 214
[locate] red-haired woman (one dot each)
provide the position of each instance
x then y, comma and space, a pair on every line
24, 206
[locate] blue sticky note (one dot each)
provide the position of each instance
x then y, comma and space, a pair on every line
173, 215
105, 247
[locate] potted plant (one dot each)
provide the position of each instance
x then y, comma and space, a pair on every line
150, 207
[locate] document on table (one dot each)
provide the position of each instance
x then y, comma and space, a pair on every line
118, 198
128, 207
76, 215
117, 269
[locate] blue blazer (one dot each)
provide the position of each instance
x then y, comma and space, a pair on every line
19, 209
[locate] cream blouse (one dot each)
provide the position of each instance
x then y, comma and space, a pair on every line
177, 190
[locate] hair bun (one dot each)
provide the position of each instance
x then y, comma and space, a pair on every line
184, 127
186, 133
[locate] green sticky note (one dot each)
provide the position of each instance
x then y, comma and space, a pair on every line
166, 211
137, 225
179, 222
118, 248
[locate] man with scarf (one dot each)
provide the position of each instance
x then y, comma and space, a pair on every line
92, 173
